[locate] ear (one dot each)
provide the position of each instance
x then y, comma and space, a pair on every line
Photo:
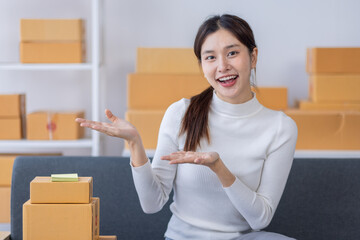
254, 55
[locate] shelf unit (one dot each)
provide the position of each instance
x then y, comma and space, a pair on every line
94, 67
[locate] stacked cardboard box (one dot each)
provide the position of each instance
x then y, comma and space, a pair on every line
12, 116
331, 118
51, 41
61, 210
53, 126
166, 75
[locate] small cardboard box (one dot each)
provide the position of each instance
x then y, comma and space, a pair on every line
272, 97
336, 88
148, 129
51, 30
11, 128
107, 237
5, 194
167, 61
51, 52
12, 105
307, 105
61, 221
54, 126
6, 166
43, 190
159, 91
333, 60
327, 130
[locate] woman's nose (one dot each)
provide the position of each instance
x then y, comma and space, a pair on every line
223, 64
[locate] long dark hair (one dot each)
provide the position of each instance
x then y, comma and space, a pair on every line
195, 121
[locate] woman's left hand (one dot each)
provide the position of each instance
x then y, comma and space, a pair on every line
204, 158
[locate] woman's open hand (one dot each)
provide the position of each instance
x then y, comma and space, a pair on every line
204, 158
117, 128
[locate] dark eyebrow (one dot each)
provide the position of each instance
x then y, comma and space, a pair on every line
227, 47
232, 45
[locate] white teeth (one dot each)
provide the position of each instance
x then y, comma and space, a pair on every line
227, 78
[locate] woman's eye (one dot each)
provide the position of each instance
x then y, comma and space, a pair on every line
232, 53
209, 57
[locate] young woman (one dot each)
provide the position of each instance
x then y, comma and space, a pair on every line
226, 156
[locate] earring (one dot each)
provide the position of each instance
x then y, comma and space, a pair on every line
253, 77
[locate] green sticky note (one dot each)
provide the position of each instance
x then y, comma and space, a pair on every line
69, 177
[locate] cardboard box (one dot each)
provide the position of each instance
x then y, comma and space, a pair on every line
6, 166
5, 195
108, 238
54, 126
272, 97
12, 105
337, 88
51, 52
60, 221
159, 91
51, 30
43, 190
307, 105
10, 128
148, 124
167, 61
333, 60
327, 130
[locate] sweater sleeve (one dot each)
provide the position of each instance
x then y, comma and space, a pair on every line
258, 207
154, 181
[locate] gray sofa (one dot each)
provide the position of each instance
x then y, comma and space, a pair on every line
321, 199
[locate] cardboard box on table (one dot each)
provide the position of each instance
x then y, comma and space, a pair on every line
43, 190
167, 61
272, 97
5, 195
54, 126
42, 30
159, 91
327, 130
147, 123
61, 221
107, 238
339, 88
333, 60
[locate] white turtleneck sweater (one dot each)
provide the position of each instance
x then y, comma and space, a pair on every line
255, 143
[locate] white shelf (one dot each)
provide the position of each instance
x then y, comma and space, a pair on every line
298, 153
81, 143
45, 67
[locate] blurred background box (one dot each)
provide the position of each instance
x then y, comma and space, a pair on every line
167, 60
12, 105
327, 130
147, 123
308, 105
6, 165
51, 30
272, 97
333, 60
5, 204
159, 91
10, 128
54, 126
339, 88
51, 52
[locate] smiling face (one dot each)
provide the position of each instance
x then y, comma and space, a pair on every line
227, 65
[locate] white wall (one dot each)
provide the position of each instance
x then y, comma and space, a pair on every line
283, 30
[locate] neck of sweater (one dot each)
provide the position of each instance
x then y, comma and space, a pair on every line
245, 109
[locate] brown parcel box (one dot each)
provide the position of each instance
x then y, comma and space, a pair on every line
10, 128
159, 91
333, 60
107, 238
43, 190
307, 105
147, 123
54, 126
34, 30
167, 60
272, 97
61, 221
51, 52
327, 130
12, 105
6, 166
335, 88
5, 204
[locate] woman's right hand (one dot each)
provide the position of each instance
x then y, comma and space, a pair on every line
117, 128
